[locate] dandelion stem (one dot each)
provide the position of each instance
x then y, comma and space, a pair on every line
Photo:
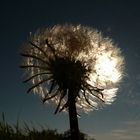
74, 129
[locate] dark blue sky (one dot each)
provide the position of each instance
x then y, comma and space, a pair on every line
119, 20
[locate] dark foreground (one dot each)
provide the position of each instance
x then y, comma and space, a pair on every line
15, 132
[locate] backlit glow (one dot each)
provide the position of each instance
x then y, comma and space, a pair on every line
82, 44
106, 68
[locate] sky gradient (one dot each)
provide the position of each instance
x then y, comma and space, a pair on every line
119, 20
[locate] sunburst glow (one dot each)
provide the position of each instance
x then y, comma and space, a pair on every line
78, 57
106, 68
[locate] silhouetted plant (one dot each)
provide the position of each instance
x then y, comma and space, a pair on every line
74, 67
9, 132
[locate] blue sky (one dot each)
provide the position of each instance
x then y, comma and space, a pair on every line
119, 20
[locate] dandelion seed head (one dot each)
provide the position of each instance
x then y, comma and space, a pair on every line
95, 61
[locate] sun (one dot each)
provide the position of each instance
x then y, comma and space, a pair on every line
106, 68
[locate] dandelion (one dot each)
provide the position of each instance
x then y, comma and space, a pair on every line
74, 67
